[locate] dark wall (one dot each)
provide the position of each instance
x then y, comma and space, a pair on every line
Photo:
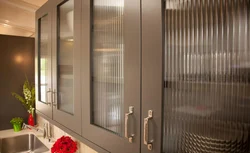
16, 59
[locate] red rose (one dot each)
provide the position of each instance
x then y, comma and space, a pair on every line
64, 145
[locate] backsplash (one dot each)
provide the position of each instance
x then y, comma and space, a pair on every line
16, 61
57, 133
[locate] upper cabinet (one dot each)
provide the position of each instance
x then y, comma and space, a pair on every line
58, 56
43, 60
195, 76
88, 70
66, 64
149, 76
111, 74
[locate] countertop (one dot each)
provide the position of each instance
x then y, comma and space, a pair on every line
39, 135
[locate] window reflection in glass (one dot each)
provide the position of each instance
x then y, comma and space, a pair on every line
207, 76
65, 52
108, 65
44, 57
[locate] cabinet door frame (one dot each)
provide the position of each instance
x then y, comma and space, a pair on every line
132, 81
71, 121
152, 71
44, 108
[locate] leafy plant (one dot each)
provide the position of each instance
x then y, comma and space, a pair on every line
16, 120
28, 97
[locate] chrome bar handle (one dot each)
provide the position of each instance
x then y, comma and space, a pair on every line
131, 111
54, 102
146, 130
47, 92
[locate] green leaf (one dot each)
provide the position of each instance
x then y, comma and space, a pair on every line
21, 99
27, 94
27, 82
33, 95
28, 100
16, 120
26, 91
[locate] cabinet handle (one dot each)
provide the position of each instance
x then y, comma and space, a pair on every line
54, 98
131, 111
146, 130
47, 92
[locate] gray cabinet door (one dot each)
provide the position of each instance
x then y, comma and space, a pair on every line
152, 76
43, 60
195, 76
66, 56
111, 74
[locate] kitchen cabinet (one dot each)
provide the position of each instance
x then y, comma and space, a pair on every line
111, 61
66, 64
195, 79
147, 76
43, 60
152, 76
62, 63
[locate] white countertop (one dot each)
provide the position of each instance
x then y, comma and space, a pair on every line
39, 135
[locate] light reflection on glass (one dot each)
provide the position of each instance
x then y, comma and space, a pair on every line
107, 60
44, 57
65, 57
207, 76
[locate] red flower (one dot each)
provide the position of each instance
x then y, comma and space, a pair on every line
64, 145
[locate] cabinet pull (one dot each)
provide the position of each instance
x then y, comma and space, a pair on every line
146, 130
131, 111
47, 92
54, 102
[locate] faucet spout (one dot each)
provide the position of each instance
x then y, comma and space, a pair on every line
26, 126
46, 130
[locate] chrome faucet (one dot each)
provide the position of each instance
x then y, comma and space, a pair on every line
26, 126
46, 130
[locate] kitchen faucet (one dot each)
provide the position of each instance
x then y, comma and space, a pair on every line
46, 130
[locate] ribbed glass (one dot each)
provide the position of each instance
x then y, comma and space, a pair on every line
65, 52
108, 65
44, 57
206, 84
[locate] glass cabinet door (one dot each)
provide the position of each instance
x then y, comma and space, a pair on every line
201, 76
111, 72
66, 57
43, 61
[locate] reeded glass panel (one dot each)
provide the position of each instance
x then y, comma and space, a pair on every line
107, 65
207, 80
44, 56
65, 52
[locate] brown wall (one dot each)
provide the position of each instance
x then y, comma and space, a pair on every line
16, 59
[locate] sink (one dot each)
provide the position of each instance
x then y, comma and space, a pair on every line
28, 143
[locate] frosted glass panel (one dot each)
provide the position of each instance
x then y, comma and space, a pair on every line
207, 83
107, 65
65, 52
44, 57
